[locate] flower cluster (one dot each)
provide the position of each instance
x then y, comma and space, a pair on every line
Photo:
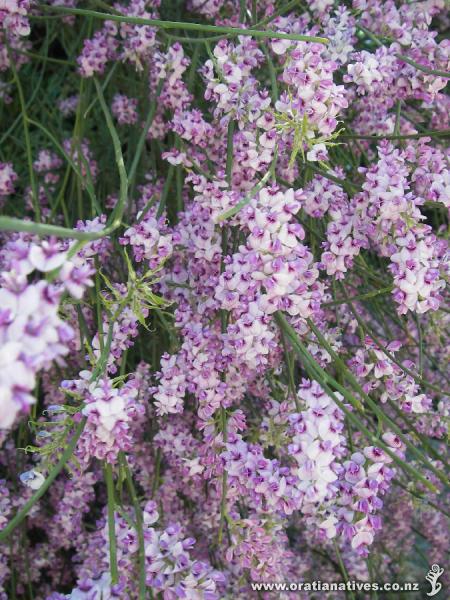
13, 17
150, 240
111, 413
317, 444
367, 476
124, 109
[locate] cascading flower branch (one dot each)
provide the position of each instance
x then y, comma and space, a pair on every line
224, 320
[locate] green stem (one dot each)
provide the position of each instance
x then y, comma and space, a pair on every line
423, 68
420, 340
290, 368
139, 528
26, 131
394, 136
342, 567
236, 31
156, 474
105, 84
398, 113
223, 502
111, 525
420, 497
143, 136
224, 321
229, 163
89, 184
56, 61
347, 185
272, 73
417, 433
165, 192
366, 296
36, 90
42, 230
116, 215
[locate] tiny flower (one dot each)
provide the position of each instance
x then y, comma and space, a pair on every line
33, 479
317, 152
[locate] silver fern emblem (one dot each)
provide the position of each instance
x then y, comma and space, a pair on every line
432, 577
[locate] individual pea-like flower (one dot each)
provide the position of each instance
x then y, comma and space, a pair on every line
32, 479
125, 109
68, 106
8, 177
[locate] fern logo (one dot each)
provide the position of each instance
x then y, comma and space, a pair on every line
432, 577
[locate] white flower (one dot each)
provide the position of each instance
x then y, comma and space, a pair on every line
317, 152
32, 479
46, 258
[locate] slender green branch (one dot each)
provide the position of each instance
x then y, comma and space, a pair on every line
157, 472
290, 368
224, 321
395, 136
423, 68
214, 38
89, 184
420, 497
223, 502
342, 568
165, 191
365, 296
26, 131
42, 58
143, 136
349, 186
229, 163
105, 84
111, 524
236, 31
272, 73
278, 13
42, 229
139, 528
115, 218
398, 114
431, 451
